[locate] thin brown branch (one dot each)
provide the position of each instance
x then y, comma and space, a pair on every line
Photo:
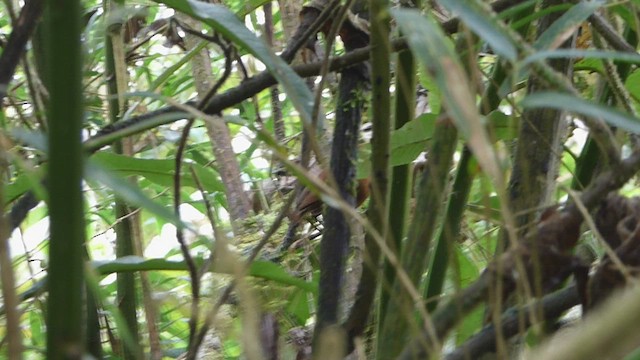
193, 270
23, 28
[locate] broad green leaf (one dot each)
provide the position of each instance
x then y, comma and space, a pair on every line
588, 64
564, 27
411, 139
486, 27
299, 307
242, 8
35, 326
566, 102
160, 172
226, 23
23, 183
406, 144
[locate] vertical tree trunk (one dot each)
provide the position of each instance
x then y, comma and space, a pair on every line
536, 161
227, 164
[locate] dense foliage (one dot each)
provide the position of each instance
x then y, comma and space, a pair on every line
279, 180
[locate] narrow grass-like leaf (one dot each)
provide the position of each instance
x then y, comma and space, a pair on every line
227, 24
128, 192
486, 28
566, 102
432, 49
577, 53
562, 28
260, 269
535, 15
157, 171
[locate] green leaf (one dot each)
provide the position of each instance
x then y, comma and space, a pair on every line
432, 48
535, 13
160, 172
577, 53
226, 23
471, 14
128, 192
562, 28
299, 307
406, 144
571, 103
504, 126
243, 8
468, 271
632, 83
411, 139
35, 325
274, 272
23, 183
260, 269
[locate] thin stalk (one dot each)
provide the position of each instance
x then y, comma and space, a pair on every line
377, 213
405, 104
116, 86
400, 320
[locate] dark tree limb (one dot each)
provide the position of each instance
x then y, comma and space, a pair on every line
514, 321
22, 31
354, 83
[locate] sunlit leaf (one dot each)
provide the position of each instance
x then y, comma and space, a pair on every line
260, 269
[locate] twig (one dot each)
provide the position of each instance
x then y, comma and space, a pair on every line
24, 27
193, 270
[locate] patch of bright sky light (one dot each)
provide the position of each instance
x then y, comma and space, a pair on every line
242, 141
